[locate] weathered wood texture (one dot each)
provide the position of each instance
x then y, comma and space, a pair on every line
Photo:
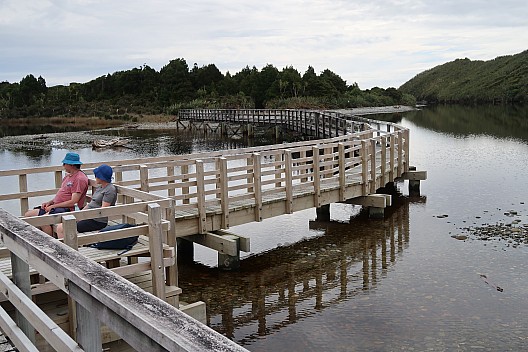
144, 321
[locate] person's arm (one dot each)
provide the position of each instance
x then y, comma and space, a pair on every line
66, 204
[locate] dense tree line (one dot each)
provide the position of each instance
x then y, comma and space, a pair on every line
501, 80
145, 91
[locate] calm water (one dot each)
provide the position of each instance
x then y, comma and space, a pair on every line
353, 284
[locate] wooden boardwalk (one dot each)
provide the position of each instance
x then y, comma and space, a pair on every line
194, 198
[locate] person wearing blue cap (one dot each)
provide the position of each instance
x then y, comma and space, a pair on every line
104, 196
71, 192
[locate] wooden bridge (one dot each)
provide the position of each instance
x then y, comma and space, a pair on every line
175, 201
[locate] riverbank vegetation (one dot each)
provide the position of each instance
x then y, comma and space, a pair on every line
143, 91
501, 80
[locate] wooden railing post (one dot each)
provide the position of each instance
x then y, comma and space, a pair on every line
364, 168
288, 167
23, 187
170, 172
342, 171
372, 166
171, 272
257, 186
69, 226
200, 197
224, 192
144, 178
383, 160
20, 270
58, 178
184, 170
391, 156
406, 136
400, 153
156, 250
316, 176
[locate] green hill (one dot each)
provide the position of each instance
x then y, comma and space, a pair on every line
503, 79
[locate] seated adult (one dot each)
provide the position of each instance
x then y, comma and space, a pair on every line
105, 195
71, 192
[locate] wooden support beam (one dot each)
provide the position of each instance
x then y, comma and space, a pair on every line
373, 200
244, 242
217, 242
414, 175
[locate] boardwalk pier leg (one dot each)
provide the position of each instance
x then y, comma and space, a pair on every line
414, 187
229, 262
323, 212
185, 250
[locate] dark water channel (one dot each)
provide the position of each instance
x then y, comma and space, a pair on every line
353, 284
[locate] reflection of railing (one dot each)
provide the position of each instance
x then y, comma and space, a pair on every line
299, 280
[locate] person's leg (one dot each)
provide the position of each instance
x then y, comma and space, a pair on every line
59, 231
32, 212
48, 228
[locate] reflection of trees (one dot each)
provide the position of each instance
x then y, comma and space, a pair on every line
495, 120
34, 154
288, 284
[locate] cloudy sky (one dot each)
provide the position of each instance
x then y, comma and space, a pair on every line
374, 43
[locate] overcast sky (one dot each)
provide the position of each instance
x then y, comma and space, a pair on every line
374, 43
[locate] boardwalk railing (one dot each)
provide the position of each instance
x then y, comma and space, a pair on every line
316, 123
144, 321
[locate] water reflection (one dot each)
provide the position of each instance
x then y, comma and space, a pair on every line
288, 284
504, 121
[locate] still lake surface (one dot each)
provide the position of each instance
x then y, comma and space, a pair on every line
354, 284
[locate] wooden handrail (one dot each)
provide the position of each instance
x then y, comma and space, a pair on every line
141, 319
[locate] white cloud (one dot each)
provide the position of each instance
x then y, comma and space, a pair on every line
378, 43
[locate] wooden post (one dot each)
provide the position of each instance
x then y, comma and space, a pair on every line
118, 178
58, 179
406, 136
200, 197
69, 226
342, 171
156, 250
171, 272
288, 180
364, 168
23, 187
170, 172
88, 334
316, 176
257, 186
230, 262
383, 161
392, 153
373, 166
144, 178
224, 192
20, 272
400, 153
185, 190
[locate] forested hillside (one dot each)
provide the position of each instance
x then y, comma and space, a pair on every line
146, 91
504, 79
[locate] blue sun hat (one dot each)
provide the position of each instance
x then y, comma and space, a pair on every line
72, 159
104, 172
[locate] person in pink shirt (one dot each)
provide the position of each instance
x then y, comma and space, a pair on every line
72, 191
